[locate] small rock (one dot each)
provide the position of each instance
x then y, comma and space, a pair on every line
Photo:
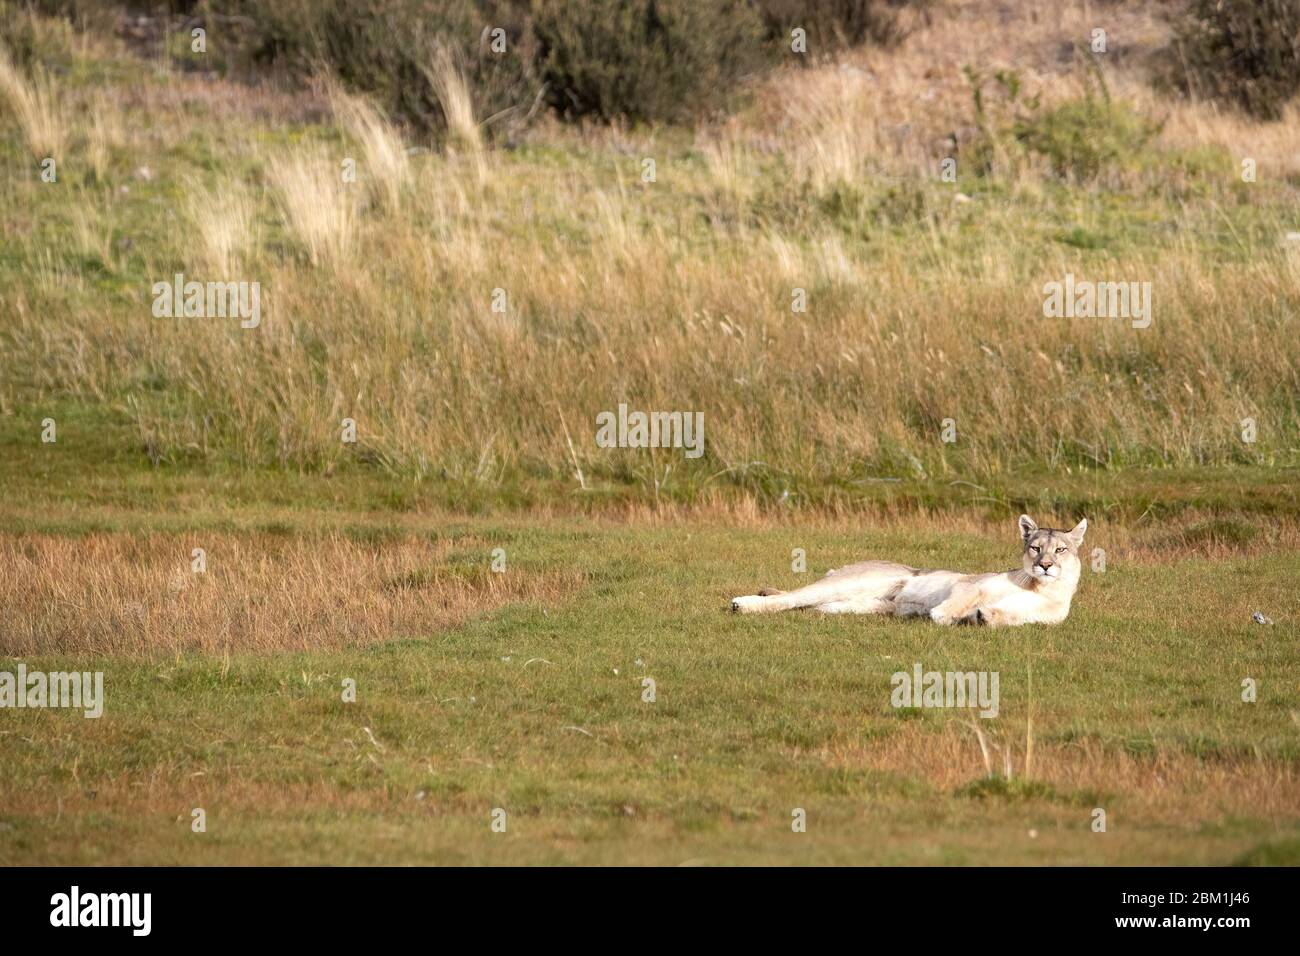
1259, 618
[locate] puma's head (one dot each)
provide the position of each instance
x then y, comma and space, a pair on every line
1051, 554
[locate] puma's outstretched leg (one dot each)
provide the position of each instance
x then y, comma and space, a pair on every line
857, 589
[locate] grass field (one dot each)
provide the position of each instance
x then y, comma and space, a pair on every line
522, 690
499, 587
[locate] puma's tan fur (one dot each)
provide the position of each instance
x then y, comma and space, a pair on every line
1039, 592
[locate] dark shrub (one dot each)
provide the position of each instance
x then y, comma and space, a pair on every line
384, 47
1245, 52
833, 24
640, 59
646, 59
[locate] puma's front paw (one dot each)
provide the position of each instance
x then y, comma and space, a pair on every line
746, 605
940, 615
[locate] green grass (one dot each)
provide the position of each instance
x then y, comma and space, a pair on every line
100, 464
538, 709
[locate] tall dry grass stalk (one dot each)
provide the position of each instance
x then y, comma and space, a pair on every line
94, 235
225, 222
834, 130
105, 133
453, 94
728, 161
36, 104
387, 167
318, 206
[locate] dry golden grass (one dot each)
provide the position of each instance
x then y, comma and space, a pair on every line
728, 161
93, 235
1165, 789
1275, 147
317, 205
36, 105
224, 220
123, 594
456, 100
105, 134
1170, 787
905, 103
925, 350
387, 168
620, 290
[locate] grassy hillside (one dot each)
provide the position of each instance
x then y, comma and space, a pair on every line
474, 309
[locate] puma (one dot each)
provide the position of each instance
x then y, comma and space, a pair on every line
1038, 592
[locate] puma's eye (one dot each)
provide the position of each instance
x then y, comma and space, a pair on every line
1060, 551
1033, 548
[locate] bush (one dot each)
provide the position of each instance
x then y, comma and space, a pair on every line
640, 59
1081, 138
1245, 52
384, 48
832, 24
646, 59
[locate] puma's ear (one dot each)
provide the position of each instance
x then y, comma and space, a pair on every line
1076, 535
1027, 526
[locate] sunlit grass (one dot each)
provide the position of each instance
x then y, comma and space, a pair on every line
537, 707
